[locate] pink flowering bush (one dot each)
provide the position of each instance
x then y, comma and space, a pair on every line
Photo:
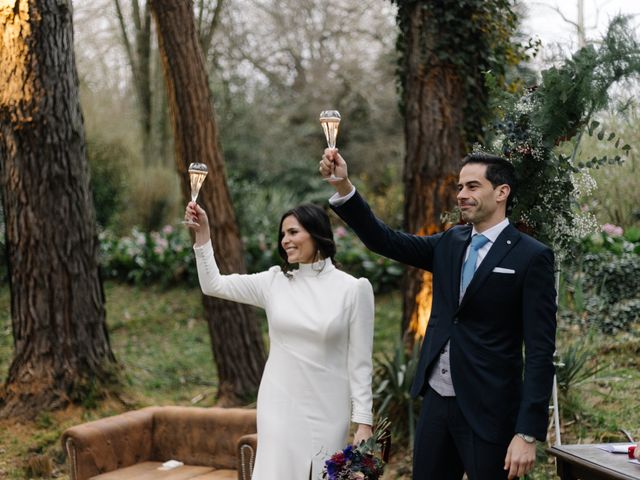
612, 230
164, 256
613, 239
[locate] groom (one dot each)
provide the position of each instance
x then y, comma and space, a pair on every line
493, 294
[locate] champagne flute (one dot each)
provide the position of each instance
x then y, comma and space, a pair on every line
330, 121
197, 174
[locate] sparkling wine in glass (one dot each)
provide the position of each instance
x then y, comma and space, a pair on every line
330, 121
197, 174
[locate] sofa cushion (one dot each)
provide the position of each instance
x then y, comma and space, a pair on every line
150, 471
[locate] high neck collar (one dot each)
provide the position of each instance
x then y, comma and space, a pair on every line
314, 269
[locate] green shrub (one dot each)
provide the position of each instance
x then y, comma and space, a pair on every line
108, 162
601, 290
613, 239
614, 278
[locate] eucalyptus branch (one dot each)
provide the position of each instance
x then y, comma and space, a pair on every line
580, 134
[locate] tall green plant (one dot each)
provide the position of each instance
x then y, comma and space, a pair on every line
576, 364
393, 375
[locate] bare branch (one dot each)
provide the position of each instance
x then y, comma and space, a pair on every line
136, 15
215, 21
125, 38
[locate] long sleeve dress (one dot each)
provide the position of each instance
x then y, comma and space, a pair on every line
318, 372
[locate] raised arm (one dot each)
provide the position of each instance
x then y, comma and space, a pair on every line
249, 289
414, 250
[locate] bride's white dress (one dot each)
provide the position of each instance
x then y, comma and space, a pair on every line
318, 374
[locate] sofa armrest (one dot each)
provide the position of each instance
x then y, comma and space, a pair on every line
247, 448
108, 444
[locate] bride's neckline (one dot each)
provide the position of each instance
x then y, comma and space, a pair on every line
313, 269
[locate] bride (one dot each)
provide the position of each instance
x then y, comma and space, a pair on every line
318, 374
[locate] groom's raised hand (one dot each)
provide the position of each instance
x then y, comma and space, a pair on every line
332, 161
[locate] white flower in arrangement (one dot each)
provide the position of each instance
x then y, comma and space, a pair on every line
477, 148
524, 105
498, 142
584, 224
583, 183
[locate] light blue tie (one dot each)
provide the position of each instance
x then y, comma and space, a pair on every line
469, 267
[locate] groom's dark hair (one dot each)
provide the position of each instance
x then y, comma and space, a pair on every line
500, 171
315, 221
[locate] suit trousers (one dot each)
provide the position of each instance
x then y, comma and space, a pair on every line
446, 447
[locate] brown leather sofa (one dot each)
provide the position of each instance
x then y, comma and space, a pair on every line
213, 443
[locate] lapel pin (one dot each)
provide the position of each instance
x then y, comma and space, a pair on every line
508, 242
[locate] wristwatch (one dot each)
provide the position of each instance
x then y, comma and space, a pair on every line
526, 438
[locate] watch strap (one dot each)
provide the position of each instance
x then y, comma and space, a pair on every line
526, 438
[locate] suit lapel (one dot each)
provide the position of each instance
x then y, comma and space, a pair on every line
503, 244
461, 241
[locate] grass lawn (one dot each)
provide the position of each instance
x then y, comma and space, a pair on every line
162, 342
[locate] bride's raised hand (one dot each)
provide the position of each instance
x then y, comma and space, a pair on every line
201, 228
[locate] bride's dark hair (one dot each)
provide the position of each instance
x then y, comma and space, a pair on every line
315, 221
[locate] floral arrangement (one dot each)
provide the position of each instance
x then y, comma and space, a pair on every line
361, 462
539, 130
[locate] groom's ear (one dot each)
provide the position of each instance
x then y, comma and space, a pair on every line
502, 192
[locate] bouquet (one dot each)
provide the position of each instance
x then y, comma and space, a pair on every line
360, 462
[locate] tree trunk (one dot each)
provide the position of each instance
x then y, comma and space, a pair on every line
237, 345
434, 100
57, 303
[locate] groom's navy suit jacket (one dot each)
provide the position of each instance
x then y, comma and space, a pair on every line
510, 303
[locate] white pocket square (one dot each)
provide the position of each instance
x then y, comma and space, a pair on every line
503, 270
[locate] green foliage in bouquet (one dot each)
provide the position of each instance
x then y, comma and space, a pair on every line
533, 123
